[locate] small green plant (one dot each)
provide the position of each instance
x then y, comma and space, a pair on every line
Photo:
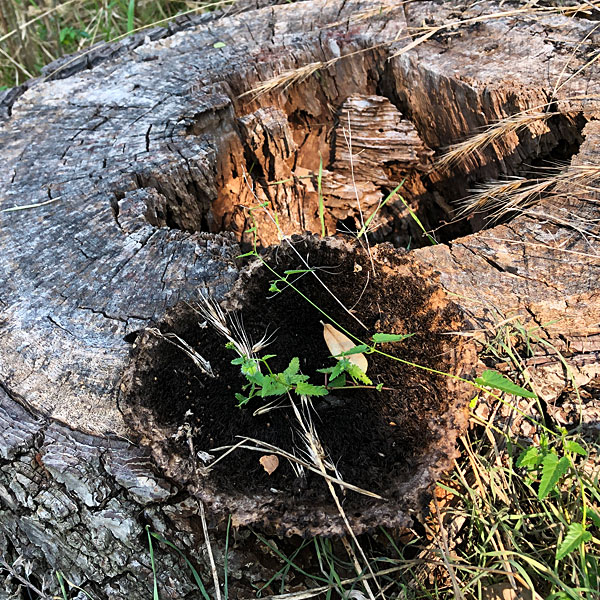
544, 463
273, 384
69, 36
345, 374
550, 468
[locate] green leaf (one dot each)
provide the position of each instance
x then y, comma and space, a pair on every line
339, 381
259, 378
298, 378
292, 368
271, 387
341, 367
356, 350
365, 227
379, 387
553, 469
241, 399
497, 381
336, 370
576, 536
382, 338
573, 446
594, 517
307, 389
219, 45
294, 271
240, 360
187, 562
356, 372
530, 457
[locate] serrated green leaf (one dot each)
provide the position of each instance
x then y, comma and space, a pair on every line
576, 535
497, 381
356, 372
553, 469
292, 368
307, 389
240, 360
530, 457
341, 367
573, 446
382, 338
258, 378
241, 399
356, 350
271, 387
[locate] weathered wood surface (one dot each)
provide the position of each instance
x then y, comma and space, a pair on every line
143, 153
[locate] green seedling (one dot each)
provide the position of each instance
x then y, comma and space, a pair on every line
273, 384
264, 385
550, 467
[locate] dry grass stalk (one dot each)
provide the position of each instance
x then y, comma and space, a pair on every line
198, 9
260, 446
180, 343
503, 197
445, 552
287, 78
28, 206
457, 153
211, 558
291, 76
230, 326
430, 30
512, 124
319, 458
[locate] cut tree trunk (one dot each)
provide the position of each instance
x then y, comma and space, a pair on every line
134, 169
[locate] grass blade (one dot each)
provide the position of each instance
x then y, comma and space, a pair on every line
393, 193
195, 574
130, 15
155, 587
321, 201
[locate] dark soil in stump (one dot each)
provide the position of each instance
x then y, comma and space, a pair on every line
378, 440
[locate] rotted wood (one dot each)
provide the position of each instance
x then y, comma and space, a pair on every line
142, 161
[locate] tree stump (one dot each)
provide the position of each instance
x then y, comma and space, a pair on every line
128, 177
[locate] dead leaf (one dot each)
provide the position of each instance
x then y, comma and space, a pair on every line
269, 462
337, 343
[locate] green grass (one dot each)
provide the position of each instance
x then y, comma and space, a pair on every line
33, 33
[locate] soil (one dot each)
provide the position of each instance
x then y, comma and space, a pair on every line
377, 439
